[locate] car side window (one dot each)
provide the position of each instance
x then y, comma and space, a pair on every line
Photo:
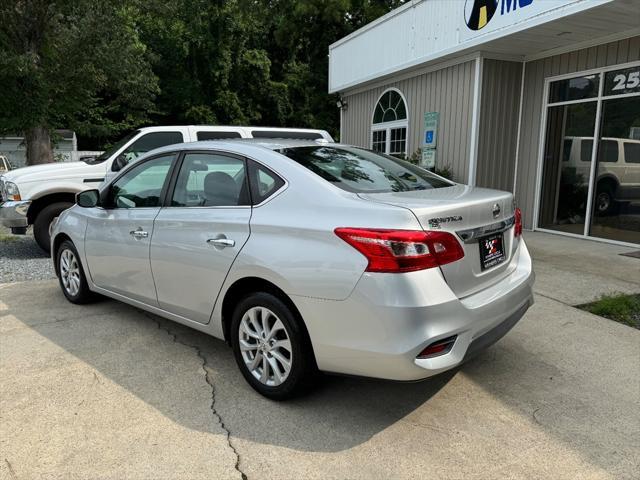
264, 183
211, 180
146, 143
142, 185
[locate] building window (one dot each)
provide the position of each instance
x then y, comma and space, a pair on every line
379, 141
389, 125
589, 158
398, 144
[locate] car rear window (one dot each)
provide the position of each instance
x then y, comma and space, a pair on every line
363, 171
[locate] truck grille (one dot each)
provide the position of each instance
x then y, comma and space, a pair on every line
1, 190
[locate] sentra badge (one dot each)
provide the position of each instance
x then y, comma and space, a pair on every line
435, 222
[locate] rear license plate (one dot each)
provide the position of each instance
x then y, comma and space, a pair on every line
491, 251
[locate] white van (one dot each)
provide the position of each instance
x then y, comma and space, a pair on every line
618, 175
36, 195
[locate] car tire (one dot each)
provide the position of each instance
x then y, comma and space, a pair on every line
263, 325
42, 223
71, 274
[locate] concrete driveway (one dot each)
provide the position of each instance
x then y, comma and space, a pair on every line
107, 391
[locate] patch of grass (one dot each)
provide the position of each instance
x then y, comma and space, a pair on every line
621, 308
8, 238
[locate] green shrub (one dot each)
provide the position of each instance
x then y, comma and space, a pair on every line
443, 171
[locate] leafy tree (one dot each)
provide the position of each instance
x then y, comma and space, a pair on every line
75, 64
104, 66
260, 62
300, 33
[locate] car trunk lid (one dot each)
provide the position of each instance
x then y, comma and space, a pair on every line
475, 215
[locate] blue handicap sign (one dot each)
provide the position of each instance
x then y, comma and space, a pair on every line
428, 137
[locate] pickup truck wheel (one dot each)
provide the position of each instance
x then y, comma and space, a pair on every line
71, 274
42, 223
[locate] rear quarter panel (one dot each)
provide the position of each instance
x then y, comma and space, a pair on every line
293, 237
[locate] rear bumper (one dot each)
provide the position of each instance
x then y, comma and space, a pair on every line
14, 214
389, 319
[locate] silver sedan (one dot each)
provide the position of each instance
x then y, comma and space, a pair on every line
304, 257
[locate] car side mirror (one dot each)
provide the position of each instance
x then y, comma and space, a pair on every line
88, 198
119, 163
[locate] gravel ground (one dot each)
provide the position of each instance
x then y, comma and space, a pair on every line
21, 259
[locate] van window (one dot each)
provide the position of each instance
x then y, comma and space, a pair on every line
210, 135
111, 150
566, 151
608, 151
146, 143
286, 134
585, 150
632, 152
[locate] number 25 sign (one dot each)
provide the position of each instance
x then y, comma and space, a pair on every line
622, 81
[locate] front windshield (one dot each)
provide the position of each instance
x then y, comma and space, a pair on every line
110, 151
363, 171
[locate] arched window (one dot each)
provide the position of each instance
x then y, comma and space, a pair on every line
389, 125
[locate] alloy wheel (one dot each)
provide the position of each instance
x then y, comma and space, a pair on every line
70, 272
265, 346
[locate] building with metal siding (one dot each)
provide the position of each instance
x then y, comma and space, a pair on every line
493, 89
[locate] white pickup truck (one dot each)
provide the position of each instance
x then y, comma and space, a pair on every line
36, 195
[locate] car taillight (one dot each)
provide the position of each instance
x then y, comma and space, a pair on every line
517, 229
396, 251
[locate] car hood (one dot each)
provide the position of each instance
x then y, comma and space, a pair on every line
47, 171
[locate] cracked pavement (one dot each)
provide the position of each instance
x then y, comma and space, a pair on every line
107, 391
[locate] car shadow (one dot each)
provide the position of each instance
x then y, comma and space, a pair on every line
144, 354
558, 396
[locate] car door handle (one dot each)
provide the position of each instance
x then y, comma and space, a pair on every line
139, 233
221, 242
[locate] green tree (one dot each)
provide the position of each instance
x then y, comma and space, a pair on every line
75, 64
298, 36
260, 62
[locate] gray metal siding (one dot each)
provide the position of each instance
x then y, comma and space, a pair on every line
448, 91
498, 126
622, 51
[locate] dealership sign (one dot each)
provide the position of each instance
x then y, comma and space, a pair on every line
484, 16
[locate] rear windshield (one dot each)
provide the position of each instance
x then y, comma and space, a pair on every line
362, 171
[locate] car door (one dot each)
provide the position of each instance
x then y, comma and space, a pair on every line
199, 234
119, 233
